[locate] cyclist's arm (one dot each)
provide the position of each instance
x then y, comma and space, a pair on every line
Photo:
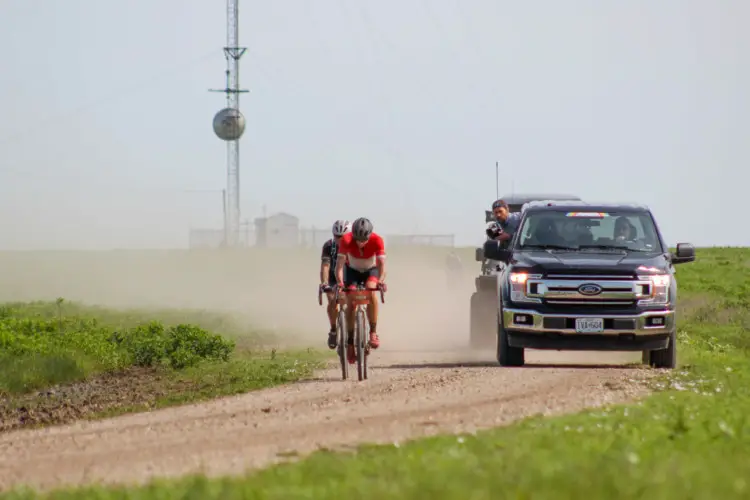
380, 260
325, 262
381, 267
325, 268
345, 248
340, 262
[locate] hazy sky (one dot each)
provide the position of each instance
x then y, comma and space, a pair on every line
395, 109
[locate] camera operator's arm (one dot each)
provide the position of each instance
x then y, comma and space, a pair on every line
511, 226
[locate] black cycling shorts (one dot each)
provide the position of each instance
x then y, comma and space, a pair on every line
353, 277
332, 277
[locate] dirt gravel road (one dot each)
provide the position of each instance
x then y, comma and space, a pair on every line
409, 394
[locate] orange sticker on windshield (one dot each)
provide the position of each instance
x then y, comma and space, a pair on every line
587, 214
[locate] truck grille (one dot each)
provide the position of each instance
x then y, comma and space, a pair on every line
586, 291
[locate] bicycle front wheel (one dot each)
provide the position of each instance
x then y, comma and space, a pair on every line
341, 335
361, 341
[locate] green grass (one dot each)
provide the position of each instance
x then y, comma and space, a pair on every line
689, 440
219, 323
246, 371
127, 360
42, 344
249, 371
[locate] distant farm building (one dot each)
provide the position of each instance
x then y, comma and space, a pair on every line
279, 230
282, 230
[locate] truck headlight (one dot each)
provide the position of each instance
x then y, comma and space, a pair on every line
519, 278
659, 288
518, 287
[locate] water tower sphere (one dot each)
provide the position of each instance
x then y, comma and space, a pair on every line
229, 124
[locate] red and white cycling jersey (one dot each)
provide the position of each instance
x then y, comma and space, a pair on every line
365, 258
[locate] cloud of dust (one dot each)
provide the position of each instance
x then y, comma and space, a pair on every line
423, 311
261, 288
270, 290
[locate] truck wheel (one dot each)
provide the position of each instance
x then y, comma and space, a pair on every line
663, 358
483, 312
507, 355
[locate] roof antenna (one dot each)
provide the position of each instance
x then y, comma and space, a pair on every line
497, 180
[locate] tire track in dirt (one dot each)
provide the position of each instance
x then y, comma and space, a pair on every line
408, 395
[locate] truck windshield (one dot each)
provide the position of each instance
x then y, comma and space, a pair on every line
559, 230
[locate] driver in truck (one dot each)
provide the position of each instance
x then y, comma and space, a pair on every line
506, 222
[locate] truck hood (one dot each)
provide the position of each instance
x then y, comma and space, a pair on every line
591, 262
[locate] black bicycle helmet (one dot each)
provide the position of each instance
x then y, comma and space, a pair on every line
362, 229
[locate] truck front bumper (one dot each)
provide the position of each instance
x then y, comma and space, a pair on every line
531, 329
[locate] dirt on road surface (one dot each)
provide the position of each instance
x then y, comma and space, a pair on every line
408, 395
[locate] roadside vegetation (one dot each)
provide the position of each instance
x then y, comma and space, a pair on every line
61, 362
689, 440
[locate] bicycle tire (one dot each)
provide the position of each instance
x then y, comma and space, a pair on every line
359, 343
341, 334
365, 345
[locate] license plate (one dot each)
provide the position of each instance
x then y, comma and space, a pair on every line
589, 325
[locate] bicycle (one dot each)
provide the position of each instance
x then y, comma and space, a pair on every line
361, 328
340, 331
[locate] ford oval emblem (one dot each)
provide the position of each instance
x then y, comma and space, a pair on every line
589, 289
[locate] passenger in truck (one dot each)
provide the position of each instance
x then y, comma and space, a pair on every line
624, 230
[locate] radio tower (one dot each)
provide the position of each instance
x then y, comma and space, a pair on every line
229, 124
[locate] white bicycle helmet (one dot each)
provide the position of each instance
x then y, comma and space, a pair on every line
340, 227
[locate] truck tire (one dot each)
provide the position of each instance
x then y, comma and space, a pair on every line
507, 355
483, 312
646, 358
663, 358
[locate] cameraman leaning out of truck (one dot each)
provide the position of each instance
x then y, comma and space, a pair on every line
505, 224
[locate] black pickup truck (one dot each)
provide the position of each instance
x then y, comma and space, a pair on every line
581, 276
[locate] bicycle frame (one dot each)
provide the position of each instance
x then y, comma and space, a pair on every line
360, 300
361, 296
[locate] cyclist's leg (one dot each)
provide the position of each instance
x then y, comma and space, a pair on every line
332, 313
373, 307
352, 278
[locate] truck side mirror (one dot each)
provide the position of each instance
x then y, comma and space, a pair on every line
493, 251
685, 252
489, 216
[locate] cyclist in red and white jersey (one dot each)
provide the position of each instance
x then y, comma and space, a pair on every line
362, 253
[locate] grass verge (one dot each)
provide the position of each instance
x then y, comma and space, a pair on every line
61, 362
689, 440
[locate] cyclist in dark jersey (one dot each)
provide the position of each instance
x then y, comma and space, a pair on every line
327, 276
